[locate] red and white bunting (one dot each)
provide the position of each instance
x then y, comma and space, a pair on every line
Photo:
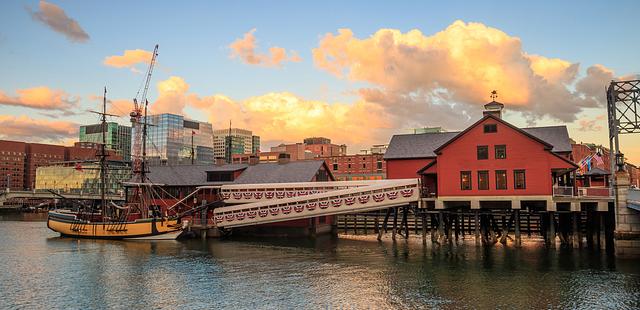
378, 197
247, 195
226, 195
336, 202
286, 209
363, 199
302, 193
252, 214
240, 216
280, 195
229, 217
407, 192
392, 195
291, 194
323, 204
269, 195
237, 196
258, 195
219, 218
298, 208
312, 206
274, 211
349, 201
263, 212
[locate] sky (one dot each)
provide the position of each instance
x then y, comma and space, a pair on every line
353, 71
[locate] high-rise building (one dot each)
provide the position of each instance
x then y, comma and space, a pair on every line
175, 140
322, 147
118, 137
82, 177
227, 142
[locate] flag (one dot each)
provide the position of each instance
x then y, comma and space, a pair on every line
598, 159
78, 167
193, 132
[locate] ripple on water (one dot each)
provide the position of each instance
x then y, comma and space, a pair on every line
41, 270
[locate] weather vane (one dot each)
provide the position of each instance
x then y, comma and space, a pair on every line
494, 95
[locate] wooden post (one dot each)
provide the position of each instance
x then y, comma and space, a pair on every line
518, 238
365, 223
386, 219
415, 220
377, 228
395, 223
405, 213
589, 229
355, 224
434, 228
602, 230
476, 216
440, 225
552, 229
461, 214
345, 223
576, 229
529, 223
424, 228
457, 225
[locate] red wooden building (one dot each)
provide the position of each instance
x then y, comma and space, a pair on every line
492, 162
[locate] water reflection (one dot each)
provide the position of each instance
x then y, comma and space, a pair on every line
48, 271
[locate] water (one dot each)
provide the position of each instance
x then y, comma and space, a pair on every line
38, 269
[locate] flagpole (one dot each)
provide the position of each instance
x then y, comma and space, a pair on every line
192, 152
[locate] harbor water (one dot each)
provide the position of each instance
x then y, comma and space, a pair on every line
40, 270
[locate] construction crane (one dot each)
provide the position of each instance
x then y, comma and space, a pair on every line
140, 128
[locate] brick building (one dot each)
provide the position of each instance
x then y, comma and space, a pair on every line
357, 167
20, 160
322, 147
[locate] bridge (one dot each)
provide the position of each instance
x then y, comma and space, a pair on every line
633, 199
9, 197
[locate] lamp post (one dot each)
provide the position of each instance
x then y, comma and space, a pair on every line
620, 161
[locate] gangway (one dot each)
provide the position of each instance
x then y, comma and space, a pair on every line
291, 201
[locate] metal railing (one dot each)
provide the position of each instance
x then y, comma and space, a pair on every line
563, 191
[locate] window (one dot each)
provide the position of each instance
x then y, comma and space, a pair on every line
483, 152
490, 128
379, 165
364, 166
483, 180
519, 179
501, 151
335, 167
501, 179
465, 180
349, 166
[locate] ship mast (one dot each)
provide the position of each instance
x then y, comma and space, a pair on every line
102, 153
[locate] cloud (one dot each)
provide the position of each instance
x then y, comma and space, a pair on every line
245, 49
280, 116
25, 127
55, 17
42, 98
595, 124
129, 59
462, 64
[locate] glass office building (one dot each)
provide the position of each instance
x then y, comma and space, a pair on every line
169, 140
118, 137
82, 177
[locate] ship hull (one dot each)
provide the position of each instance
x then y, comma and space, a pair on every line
153, 229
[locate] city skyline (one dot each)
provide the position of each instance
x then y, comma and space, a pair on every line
356, 75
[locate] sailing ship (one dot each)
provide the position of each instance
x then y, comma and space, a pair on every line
139, 217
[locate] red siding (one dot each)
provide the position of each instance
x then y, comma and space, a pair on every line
405, 168
522, 153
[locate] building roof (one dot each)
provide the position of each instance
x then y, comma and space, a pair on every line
196, 175
558, 136
417, 145
188, 175
294, 171
424, 145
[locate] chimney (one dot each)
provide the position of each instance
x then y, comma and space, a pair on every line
494, 108
254, 160
220, 161
283, 158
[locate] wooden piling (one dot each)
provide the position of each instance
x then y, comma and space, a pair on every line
441, 234
424, 228
476, 218
405, 214
365, 223
518, 241
395, 223
575, 223
552, 228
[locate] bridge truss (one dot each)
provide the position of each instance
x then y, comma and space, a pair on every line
623, 109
